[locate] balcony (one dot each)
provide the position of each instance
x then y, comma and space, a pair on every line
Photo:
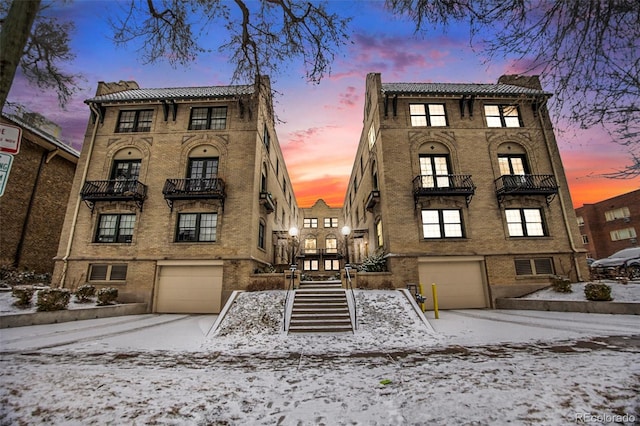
193, 189
267, 201
437, 185
372, 200
329, 253
113, 190
526, 185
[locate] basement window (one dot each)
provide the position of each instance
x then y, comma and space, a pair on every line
108, 272
534, 266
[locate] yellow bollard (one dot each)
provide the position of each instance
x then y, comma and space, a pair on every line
435, 299
421, 294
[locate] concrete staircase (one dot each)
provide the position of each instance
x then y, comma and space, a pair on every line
320, 307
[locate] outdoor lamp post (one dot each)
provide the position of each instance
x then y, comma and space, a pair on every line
293, 233
346, 231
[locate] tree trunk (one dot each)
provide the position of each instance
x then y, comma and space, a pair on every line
15, 33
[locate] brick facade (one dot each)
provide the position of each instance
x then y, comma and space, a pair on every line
36, 194
258, 204
382, 195
610, 225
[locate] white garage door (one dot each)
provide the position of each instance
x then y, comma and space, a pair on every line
460, 282
194, 289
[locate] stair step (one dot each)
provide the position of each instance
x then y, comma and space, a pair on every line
320, 317
320, 329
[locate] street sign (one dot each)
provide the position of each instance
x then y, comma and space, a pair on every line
5, 167
10, 137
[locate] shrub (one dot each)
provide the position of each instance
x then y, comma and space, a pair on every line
53, 299
84, 293
562, 285
597, 292
15, 277
374, 263
107, 296
24, 295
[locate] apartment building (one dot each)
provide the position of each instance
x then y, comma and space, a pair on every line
180, 195
36, 192
610, 225
322, 251
462, 185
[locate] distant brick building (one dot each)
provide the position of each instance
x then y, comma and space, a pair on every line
36, 194
180, 195
321, 251
462, 185
610, 225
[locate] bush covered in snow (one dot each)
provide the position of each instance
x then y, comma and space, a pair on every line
24, 296
14, 277
597, 292
84, 293
561, 285
374, 263
53, 299
107, 296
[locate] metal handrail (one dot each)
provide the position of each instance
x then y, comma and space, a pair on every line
353, 297
290, 287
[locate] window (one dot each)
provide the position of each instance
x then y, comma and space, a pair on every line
535, 266
202, 173
208, 118
585, 239
580, 220
331, 244
513, 165
428, 115
126, 169
266, 139
310, 222
311, 265
441, 224
115, 228
135, 121
310, 245
621, 213
623, 234
372, 136
262, 233
525, 223
106, 272
330, 222
197, 227
331, 265
379, 237
502, 116
434, 170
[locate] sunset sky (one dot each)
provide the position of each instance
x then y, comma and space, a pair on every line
321, 124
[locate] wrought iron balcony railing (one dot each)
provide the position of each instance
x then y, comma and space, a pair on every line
372, 200
193, 189
324, 252
113, 190
526, 185
433, 185
267, 201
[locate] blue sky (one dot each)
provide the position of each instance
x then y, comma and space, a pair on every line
320, 124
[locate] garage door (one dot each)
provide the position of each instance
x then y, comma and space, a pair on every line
194, 289
460, 282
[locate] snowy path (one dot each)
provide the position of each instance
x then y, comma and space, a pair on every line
480, 367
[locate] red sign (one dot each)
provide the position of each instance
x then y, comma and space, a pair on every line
10, 137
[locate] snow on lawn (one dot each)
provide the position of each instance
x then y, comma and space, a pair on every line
629, 292
386, 322
393, 371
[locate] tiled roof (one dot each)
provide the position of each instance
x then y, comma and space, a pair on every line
459, 89
174, 93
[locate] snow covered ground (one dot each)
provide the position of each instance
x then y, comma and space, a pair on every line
470, 367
